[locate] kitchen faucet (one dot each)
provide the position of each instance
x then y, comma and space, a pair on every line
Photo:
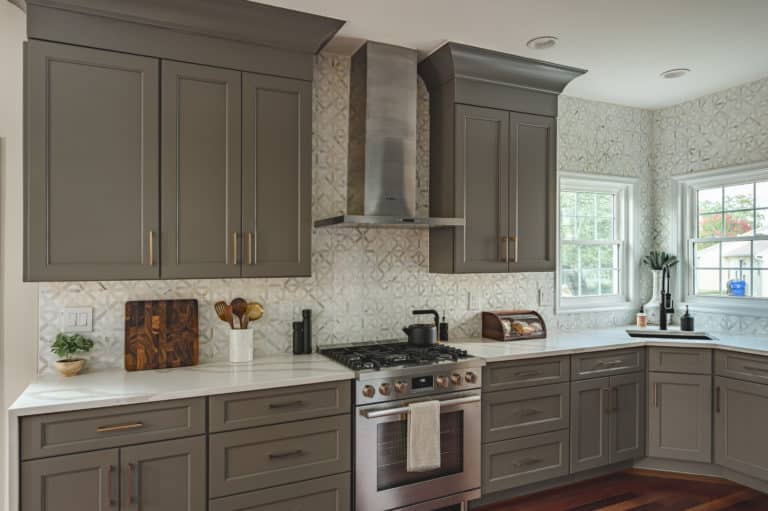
664, 291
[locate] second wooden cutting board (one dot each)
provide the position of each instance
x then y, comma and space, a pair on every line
160, 334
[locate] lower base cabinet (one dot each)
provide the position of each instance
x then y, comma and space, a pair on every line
325, 494
741, 413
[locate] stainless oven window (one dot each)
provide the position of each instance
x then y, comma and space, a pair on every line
392, 448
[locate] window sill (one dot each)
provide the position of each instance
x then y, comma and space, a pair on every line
733, 306
584, 308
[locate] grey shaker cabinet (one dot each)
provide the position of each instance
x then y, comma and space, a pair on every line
201, 171
77, 482
92, 173
741, 413
277, 176
627, 420
680, 416
166, 476
331, 493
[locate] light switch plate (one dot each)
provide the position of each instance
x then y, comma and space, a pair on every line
76, 319
545, 298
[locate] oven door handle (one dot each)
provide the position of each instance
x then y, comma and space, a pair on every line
375, 414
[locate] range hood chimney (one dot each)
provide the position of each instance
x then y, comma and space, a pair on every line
381, 180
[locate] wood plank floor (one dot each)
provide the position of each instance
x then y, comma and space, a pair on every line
637, 490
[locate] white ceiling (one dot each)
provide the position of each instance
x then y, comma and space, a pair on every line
624, 44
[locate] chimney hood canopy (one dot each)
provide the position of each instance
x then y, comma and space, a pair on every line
381, 176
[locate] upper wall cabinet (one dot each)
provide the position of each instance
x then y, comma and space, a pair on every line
180, 148
492, 148
92, 174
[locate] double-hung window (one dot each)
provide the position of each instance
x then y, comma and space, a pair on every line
725, 236
595, 241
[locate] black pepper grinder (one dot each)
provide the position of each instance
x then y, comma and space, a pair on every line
442, 331
686, 321
306, 316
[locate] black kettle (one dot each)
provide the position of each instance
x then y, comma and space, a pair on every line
423, 334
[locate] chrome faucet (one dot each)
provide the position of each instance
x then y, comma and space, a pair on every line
664, 292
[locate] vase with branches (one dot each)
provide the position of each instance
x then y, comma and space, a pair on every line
657, 260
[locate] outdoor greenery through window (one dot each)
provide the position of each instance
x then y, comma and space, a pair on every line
589, 244
731, 242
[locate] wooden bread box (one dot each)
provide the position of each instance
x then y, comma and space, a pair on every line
515, 325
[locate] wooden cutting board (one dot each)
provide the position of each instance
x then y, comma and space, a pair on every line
160, 334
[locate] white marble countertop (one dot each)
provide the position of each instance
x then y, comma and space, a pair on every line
53, 393
568, 343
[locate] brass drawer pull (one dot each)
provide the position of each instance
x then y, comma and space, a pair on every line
286, 454
526, 462
119, 427
526, 374
527, 412
250, 247
131, 498
287, 404
234, 248
514, 238
151, 248
505, 240
609, 363
758, 369
109, 486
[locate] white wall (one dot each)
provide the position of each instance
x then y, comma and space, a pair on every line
18, 301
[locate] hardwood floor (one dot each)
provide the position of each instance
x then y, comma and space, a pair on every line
639, 490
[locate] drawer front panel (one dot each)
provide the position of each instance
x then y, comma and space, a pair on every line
261, 408
605, 363
742, 366
680, 360
325, 494
258, 458
88, 430
525, 373
514, 463
522, 412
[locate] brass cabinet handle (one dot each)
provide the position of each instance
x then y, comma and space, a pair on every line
525, 374
288, 404
131, 498
234, 248
151, 248
514, 239
656, 395
250, 247
528, 412
287, 454
615, 406
119, 427
607, 398
505, 240
526, 462
109, 486
717, 399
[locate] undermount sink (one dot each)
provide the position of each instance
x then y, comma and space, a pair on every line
671, 334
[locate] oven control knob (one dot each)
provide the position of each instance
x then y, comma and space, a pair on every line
368, 391
470, 377
442, 381
400, 386
456, 379
384, 389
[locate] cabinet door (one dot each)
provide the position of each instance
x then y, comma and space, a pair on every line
532, 186
77, 482
201, 171
680, 416
277, 176
482, 190
590, 403
741, 413
165, 476
92, 191
627, 420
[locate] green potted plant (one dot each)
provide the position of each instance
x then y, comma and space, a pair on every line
64, 347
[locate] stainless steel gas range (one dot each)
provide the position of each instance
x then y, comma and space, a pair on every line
389, 376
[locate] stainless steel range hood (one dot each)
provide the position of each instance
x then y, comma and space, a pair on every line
381, 180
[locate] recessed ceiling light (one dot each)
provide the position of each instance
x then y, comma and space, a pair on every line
544, 42
677, 72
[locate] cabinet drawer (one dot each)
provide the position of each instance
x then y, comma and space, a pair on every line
742, 366
264, 407
525, 373
604, 363
257, 458
680, 360
88, 430
522, 412
514, 463
324, 494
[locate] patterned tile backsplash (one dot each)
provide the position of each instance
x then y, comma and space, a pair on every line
365, 282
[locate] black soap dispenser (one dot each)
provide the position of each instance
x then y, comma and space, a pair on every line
686, 321
442, 331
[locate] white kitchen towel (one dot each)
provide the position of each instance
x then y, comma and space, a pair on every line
423, 436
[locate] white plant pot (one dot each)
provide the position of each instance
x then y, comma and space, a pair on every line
241, 345
652, 307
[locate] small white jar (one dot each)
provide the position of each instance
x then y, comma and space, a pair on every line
241, 345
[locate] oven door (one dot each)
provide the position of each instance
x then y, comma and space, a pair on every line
381, 480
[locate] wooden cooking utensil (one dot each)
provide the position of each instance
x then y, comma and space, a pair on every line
224, 312
239, 309
255, 311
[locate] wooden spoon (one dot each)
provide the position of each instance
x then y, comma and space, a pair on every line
239, 309
224, 312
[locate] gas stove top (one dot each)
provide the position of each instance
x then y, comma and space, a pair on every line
393, 354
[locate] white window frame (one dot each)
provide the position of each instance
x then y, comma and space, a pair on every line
624, 189
685, 188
